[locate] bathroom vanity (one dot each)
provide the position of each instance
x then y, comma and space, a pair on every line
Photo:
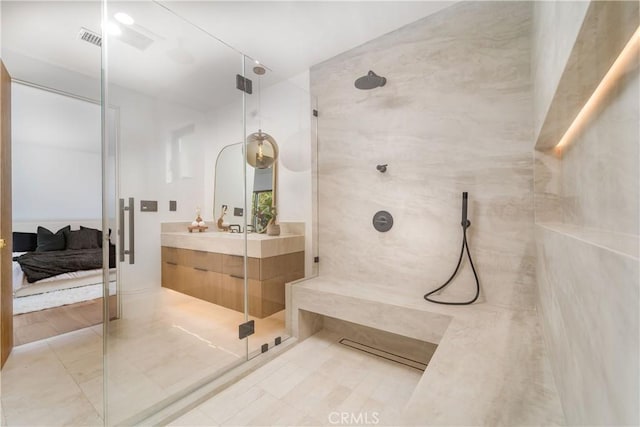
210, 266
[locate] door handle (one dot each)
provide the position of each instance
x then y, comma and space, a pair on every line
121, 230
131, 250
132, 233
3, 244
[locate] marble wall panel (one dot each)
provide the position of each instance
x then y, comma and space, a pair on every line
553, 37
587, 207
600, 186
455, 115
547, 172
589, 302
604, 30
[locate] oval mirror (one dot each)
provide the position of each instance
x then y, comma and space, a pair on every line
228, 190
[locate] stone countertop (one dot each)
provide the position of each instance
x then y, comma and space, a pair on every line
258, 245
490, 367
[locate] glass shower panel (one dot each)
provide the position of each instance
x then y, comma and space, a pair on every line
281, 194
179, 303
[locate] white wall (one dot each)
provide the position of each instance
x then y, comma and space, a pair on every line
56, 156
148, 133
226, 129
285, 114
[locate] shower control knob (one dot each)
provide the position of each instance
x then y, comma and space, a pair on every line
382, 221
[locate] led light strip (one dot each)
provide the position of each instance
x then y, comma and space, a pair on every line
617, 70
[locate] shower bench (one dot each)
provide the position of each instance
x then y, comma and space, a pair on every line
353, 303
490, 366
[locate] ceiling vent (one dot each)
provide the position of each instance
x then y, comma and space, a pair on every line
90, 37
135, 38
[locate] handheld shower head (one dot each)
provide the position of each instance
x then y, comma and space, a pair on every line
370, 81
465, 246
465, 222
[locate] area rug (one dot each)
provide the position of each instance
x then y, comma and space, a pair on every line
30, 303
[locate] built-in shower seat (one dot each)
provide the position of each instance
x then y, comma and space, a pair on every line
490, 366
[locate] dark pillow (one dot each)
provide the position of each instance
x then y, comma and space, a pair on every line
98, 233
112, 255
82, 239
48, 241
24, 242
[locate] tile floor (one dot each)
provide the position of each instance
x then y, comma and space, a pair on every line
170, 340
164, 342
38, 325
317, 382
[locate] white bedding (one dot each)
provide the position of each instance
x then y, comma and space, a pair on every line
57, 298
62, 281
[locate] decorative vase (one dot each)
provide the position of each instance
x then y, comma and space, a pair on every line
273, 229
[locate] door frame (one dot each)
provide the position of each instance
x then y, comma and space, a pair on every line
6, 274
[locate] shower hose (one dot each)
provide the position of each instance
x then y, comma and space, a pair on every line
465, 224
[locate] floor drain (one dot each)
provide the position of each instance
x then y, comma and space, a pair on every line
384, 354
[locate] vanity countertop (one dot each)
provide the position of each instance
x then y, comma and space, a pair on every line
258, 245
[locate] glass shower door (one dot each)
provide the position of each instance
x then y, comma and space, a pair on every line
280, 192
175, 89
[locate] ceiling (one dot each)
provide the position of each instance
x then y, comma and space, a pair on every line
291, 36
182, 62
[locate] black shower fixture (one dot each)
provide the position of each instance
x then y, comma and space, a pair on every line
465, 246
382, 168
370, 81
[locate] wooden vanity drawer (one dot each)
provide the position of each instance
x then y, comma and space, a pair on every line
266, 297
232, 293
203, 260
278, 265
219, 278
171, 255
173, 276
198, 282
209, 261
234, 266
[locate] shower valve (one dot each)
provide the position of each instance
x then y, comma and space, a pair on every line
382, 168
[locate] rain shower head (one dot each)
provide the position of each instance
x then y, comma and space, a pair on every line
370, 81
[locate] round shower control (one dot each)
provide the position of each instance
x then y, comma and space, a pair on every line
382, 221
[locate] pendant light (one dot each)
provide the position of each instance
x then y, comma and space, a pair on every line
262, 149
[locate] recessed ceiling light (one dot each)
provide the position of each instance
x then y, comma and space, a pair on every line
123, 18
113, 29
257, 62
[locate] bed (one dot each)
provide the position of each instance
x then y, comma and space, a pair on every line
24, 284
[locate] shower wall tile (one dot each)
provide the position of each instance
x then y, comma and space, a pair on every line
455, 115
603, 31
587, 209
589, 302
547, 172
552, 43
600, 185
